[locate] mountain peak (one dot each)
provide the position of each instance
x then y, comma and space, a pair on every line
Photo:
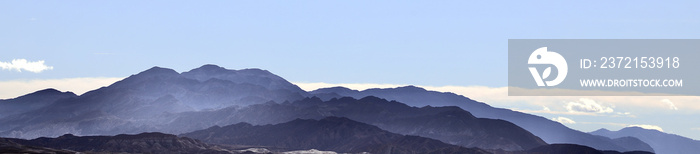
639, 128
48, 92
602, 130
158, 71
209, 68
51, 91
411, 88
338, 90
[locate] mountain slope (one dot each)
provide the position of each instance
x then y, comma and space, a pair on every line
31, 101
139, 143
145, 101
549, 131
331, 133
8, 146
660, 141
448, 124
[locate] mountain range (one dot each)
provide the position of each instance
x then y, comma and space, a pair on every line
139, 143
144, 101
31, 101
331, 133
550, 131
163, 100
448, 124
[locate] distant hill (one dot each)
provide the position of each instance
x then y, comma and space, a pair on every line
331, 133
139, 143
574, 149
661, 142
31, 101
550, 131
8, 146
451, 125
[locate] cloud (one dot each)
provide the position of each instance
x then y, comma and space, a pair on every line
587, 105
22, 64
670, 104
545, 108
654, 127
564, 120
545, 111
12, 89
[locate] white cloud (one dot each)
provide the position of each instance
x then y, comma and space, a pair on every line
12, 89
545, 108
564, 120
654, 127
670, 104
587, 105
545, 111
22, 64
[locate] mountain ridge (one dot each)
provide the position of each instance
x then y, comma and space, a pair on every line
143, 102
549, 131
660, 141
331, 133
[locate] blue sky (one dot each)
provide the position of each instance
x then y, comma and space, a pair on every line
444, 43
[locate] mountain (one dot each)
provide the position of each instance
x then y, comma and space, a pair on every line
451, 125
31, 101
145, 101
550, 131
139, 143
8, 146
330, 133
259, 77
660, 141
574, 149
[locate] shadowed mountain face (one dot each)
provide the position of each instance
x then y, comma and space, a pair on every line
145, 101
448, 124
8, 146
331, 133
32, 101
573, 149
549, 131
660, 141
140, 143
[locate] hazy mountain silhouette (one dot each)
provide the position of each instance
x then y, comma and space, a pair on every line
574, 149
160, 99
660, 141
549, 131
139, 143
31, 101
331, 133
448, 124
147, 100
163, 100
